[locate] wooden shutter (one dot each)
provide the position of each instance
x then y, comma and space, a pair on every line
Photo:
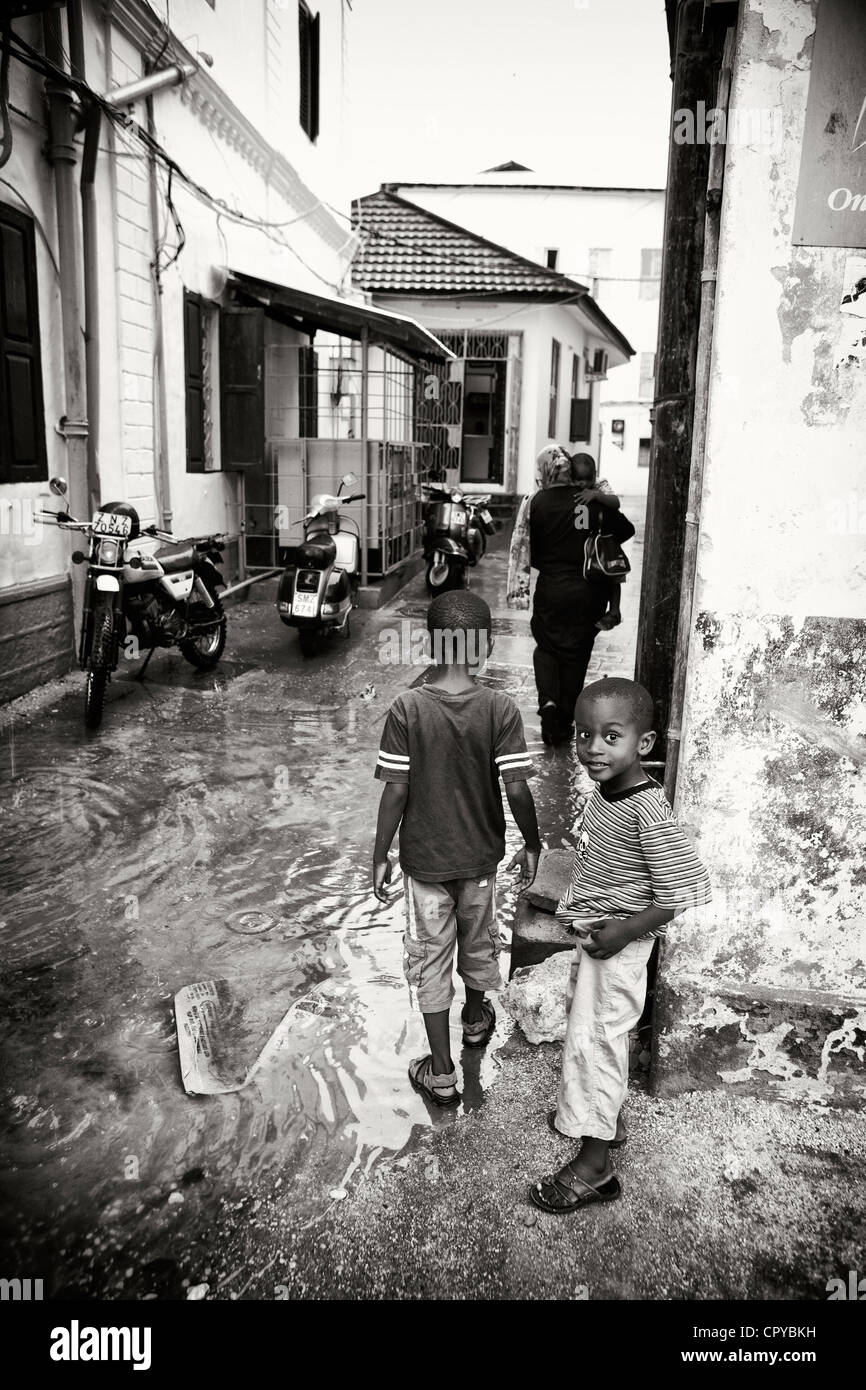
308, 393
22, 418
554, 389
308, 50
194, 368
242, 399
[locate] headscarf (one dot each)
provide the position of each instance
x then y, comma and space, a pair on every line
552, 469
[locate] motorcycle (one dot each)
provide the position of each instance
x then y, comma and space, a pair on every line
156, 597
319, 588
446, 538
480, 524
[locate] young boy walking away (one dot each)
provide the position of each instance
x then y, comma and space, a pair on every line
633, 871
444, 747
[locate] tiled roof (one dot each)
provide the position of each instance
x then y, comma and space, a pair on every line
405, 249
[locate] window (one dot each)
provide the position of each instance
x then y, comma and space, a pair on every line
22, 423
551, 255
643, 453
650, 272
599, 262
193, 351
554, 389
580, 410
580, 420
647, 375
308, 44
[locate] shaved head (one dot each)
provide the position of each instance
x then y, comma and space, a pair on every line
635, 702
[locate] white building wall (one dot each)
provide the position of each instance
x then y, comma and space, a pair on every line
235, 129
539, 325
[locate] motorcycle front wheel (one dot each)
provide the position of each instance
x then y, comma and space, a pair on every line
477, 541
205, 648
444, 576
98, 669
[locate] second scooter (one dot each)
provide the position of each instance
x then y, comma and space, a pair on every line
319, 588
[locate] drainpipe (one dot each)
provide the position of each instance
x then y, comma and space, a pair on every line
706, 320
92, 121
162, 477
62, 155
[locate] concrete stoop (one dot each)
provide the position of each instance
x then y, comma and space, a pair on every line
788, 1044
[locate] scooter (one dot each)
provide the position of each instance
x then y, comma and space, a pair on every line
446, 538
320, 588
136, 591
480, 523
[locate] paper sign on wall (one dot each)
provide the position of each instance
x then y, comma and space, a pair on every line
831, 193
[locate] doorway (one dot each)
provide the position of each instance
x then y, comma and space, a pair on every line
483, 423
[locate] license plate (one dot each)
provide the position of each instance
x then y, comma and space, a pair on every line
112, 524
486, 517
305, 605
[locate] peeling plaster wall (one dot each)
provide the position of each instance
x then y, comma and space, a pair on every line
773, 769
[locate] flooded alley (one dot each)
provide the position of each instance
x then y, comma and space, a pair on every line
219, 828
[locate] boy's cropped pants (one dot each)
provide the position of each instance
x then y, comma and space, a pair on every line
605, 1000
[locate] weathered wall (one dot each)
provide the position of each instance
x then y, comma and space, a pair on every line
772, 770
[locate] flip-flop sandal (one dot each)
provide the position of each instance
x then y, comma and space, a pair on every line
425, 1080
479, 1034
571, 1193
551, 1120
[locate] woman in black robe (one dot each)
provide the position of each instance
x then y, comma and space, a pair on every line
550, 532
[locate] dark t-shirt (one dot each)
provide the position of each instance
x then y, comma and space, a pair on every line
452, 750
556, 541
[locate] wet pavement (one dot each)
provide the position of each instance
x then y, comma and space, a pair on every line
219, 827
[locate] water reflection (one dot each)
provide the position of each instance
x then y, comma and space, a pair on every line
234, 844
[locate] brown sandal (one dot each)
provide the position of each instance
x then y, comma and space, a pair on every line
479, 1034
568, 1192
425, 1080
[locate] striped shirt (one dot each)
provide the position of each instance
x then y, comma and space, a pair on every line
631, 855
452, 750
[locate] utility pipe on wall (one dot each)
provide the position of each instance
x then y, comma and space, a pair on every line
92, 121
706, 320
162, 475
62, 155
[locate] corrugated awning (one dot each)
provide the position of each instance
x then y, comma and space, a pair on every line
308, 312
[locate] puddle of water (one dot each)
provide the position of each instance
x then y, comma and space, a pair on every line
126, 867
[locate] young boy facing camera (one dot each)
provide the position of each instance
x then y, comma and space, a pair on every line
633, 872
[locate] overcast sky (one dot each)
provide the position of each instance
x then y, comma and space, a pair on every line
578, 90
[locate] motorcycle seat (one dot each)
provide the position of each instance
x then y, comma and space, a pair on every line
179, 560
